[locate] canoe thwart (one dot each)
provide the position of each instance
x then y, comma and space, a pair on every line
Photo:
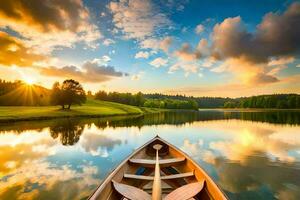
139, 177
177, 176
162, 162
166, 177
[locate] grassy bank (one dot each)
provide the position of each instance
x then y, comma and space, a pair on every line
92, 108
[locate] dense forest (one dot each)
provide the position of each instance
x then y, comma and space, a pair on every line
203, 102
281, 101
125, 98
171, 104
140, 100
8, 86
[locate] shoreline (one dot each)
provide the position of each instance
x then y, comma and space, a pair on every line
41, 118
8, 120
92, 109
126, 110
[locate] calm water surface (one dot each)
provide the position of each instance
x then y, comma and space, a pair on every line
250, 155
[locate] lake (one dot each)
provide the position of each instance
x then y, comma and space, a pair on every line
250, 155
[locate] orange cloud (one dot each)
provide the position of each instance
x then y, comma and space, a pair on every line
49, 24
252, 56
186, 53
91, 72
14, 52
157, 44
247, 72
46, 15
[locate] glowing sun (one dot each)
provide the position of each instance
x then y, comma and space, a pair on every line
29, 80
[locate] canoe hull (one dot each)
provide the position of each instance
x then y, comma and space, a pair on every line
184, 172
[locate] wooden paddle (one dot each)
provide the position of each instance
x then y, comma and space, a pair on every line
156, 189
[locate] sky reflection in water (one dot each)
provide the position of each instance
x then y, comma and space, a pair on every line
250, 155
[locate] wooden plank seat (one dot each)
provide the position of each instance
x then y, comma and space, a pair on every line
162, 162
166, 177
177, 176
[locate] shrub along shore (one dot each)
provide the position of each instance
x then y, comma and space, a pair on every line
92, 108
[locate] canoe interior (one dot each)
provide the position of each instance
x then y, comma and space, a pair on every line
177, 170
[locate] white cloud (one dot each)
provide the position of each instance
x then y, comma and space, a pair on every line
187, 67
142, 54
199, 28
102, 61
208, 62
98, 144
137, 19
108, 42
276, 70
157, 44
281, 61
150, 43
159, 62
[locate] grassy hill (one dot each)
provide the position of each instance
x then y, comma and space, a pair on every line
92, 108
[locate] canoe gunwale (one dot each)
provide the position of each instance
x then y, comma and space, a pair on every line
96, 194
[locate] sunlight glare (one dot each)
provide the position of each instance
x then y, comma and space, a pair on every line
29, 80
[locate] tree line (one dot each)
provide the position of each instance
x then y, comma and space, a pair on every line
280, 101
124, 98
203, 102
8, 86
140, 100
71, 92
171, 104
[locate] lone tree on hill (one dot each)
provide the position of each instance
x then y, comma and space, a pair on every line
70, 92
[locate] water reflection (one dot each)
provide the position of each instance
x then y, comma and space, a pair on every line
241, 180
67, 159
68, 131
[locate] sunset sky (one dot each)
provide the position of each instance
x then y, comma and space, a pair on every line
193, 47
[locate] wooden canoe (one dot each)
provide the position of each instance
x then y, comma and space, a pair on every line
158, 174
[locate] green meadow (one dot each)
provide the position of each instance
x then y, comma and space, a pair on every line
92, 108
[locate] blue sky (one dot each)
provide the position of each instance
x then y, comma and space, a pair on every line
187, 47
